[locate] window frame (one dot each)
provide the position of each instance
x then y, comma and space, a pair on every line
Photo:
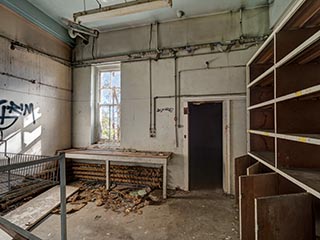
100, 70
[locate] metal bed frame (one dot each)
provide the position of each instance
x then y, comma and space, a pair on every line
14, 167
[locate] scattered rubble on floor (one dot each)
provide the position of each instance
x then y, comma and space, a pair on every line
120, 199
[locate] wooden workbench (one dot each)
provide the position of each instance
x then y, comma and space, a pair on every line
138, 157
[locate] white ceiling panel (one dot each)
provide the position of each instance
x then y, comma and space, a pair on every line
65, 8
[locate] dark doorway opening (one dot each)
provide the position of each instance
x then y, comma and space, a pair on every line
205, 146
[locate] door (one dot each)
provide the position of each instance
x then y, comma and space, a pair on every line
205, 145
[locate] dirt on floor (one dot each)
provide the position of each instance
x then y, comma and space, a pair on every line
185, 215
120, 198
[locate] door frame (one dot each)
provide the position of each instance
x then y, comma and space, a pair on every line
226, 136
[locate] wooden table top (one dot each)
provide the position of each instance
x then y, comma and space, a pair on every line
111, 152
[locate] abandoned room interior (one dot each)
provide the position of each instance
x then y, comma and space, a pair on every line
159, 119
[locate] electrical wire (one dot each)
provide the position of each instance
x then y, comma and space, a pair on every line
93, 47
176, 100
150, 36
16, 45
166, 53
33, 81
99, 3
84, 5
151, 130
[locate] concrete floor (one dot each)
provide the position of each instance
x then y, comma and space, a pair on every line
196, 215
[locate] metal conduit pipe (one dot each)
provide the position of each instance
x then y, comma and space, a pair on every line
33, 81
187, 96
177, 96
151, 129
176, 100
167, 53
15, 44
197, 69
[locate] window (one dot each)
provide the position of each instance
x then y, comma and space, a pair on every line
109, 103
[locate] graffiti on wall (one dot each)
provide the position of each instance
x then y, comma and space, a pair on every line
10, 113
167, 109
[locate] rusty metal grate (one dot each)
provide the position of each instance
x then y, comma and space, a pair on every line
24, 176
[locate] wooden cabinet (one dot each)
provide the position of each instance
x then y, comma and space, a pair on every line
283, 109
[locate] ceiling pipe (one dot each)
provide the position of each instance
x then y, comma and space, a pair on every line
176, 101
167, 53
18, 45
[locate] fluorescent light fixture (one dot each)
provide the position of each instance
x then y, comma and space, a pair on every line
120, 10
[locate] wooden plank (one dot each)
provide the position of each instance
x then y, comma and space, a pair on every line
252, 187
287, 187
298, 155
266, 56
263, 91
305, 13
309, 177
262, 118
240, 165
37, 208
253, 169
289, 78
4, 235
257, 168
289, 40
15, 232
298, 116
139, 154
264, 146
284, 217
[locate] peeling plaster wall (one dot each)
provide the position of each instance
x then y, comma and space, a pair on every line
214, 28
135, 84
135, 105
52, 105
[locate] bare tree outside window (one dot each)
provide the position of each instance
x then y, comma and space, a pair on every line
109, 105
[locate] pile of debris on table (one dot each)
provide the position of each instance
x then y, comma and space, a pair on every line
120, 199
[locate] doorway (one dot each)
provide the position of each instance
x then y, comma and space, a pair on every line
205, 145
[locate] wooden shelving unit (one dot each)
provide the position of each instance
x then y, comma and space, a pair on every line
283, 107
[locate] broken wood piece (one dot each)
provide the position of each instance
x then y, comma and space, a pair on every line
36, 209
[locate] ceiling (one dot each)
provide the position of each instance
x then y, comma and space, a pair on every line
65, 8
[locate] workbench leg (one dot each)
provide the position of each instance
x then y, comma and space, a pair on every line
164, 182
107, 174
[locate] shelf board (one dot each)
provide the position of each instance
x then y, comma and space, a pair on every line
267, 157
304, 92
267, 133
306, 16
308, 180
263, 104
313, 39
264, 46
261, 77
289, 16
299, 137
297, 94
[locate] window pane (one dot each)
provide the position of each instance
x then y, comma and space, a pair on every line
110, 122
105, 122
115, 79
105, 79
106, 96
116, 96
110, 97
